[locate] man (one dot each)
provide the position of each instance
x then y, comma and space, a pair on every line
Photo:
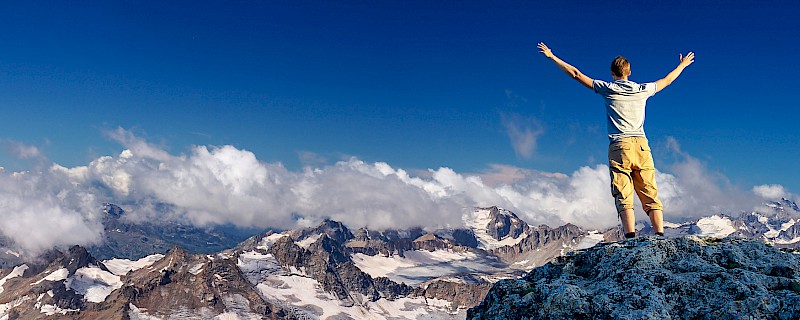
629, 157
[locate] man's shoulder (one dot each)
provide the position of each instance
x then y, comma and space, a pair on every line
600, 82
600, 86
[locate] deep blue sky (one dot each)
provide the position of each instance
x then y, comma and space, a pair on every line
417, 84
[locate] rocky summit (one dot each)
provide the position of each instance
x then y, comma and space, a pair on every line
647, 278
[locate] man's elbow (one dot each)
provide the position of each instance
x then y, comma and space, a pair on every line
663, 83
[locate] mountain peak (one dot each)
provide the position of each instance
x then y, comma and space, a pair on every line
789, 204
112, 210
504, 223
495, 227
335, 230
77, 257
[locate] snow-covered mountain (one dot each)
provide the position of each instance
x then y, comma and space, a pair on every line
321, 272
778, 225
327, 271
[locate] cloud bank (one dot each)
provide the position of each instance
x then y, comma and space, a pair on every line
209, 185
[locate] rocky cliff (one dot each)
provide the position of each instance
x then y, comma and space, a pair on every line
680, 278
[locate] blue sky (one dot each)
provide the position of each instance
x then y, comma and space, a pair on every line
416, 84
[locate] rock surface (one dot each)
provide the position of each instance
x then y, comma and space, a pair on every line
681, 278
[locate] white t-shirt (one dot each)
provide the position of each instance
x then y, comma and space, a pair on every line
625, 102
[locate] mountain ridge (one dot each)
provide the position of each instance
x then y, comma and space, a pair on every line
330, 270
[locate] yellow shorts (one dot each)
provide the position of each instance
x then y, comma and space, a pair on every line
632, 169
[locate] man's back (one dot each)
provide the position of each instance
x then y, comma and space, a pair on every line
625, 102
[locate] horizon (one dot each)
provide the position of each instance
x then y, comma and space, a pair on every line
259, 113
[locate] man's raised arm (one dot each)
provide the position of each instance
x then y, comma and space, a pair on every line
666, 81
566, 67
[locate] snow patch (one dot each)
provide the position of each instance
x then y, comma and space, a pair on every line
5, 307
772, 233
307, 295
453, 280
715, 226
123, 266
419, 266
523, 262
379, 265
58, 275
590, 240
93, 283
668, 224
235, 316
308, 241
17, 272
788, 225
255, 266
197, 268
13, 253
50, 309
478, 220
301, 292
269, 240
139, 314
253, 261
792, 241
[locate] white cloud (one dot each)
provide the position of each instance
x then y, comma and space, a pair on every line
214, 185
693, 190
137, 145
770, 191
21, 150
43, 210
523, 132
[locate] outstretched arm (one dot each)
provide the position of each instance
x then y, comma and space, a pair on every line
666, 81
566, 67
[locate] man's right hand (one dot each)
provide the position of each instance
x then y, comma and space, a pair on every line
543, 49
571, 71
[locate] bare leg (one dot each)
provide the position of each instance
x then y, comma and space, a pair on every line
628, 220
657, 219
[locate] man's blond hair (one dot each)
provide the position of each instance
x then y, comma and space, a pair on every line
620, 67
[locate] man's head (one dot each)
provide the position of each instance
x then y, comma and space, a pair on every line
620, 68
